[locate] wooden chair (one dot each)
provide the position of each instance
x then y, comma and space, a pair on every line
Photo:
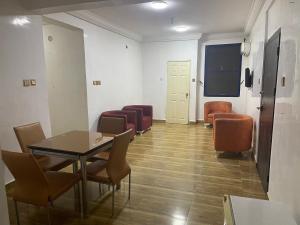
109, 125
32, 133
33, 185
111, 172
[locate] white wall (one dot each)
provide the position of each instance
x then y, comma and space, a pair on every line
21, 57
155, 58
107, 59
285, 159
238, 103
284, 183
3, 203
65, 66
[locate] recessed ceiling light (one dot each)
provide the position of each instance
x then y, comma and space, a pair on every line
181, 28
20, 21
159, 5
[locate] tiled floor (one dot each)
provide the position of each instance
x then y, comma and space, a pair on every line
177, 179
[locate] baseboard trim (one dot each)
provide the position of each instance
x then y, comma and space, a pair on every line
190, 122
159, 121
200, 122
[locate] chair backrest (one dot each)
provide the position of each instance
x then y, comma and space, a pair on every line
117, 166
112, 125
29, 134
219, 106
31, 185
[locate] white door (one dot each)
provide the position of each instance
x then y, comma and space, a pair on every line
178, 92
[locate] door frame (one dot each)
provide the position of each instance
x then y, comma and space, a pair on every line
189, 86
275, 35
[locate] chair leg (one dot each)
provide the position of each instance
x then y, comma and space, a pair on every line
100, 189
49, 215
81, 201
129, 186
113, 201
17, 212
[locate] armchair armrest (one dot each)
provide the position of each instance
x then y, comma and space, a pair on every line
147, 110
131, 116
139, 114
207, 111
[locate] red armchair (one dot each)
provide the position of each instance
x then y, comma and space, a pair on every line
232, 132
130, 119
144, 116
210, 108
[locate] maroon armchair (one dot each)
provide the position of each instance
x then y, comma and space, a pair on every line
144, 116
130, 119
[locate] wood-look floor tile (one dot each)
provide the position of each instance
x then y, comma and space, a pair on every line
202, 213
177, 179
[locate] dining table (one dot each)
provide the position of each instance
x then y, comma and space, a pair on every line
78, 146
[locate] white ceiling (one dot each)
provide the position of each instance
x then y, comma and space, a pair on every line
203, 16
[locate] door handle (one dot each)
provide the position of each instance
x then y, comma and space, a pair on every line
186, 95
260, 108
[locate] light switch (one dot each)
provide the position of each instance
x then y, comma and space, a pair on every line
26, 83
96, 82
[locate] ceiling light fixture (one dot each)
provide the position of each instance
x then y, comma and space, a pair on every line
159, 5
20, 21
181, 28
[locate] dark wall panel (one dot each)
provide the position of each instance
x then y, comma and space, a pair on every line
222, 70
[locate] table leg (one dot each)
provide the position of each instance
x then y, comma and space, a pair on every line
83, 189
76, 189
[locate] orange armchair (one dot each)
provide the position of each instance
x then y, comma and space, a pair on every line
232, 132
210, 108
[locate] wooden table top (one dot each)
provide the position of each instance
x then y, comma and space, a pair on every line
74, 142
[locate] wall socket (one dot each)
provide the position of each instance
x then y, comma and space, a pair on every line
96, 82
33, 82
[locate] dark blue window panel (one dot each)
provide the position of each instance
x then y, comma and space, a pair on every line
222, 76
